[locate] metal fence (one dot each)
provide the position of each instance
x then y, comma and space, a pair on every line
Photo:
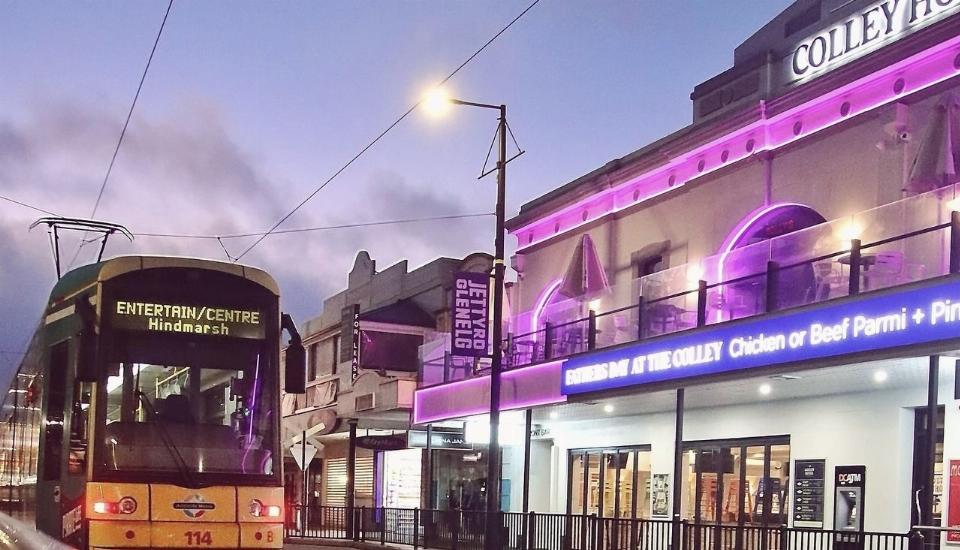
466, 530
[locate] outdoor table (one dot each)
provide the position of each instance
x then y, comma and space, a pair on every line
869, 260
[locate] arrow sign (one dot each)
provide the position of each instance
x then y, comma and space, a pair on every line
299, 454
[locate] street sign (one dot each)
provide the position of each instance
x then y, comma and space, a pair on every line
393, 442
302, 455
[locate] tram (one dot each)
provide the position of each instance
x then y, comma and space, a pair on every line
146, 411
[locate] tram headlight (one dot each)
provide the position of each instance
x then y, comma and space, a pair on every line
256, 508
259, 510
126, 505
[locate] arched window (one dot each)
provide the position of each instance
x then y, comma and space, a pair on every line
741, 255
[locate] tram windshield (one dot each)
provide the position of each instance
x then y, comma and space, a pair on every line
190, 420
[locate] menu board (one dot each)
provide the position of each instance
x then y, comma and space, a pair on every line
809, 493
661, 495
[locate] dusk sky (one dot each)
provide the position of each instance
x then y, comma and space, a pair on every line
249, 106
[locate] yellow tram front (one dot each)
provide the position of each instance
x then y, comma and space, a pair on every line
174, 439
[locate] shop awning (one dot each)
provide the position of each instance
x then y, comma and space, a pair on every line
585, 275
938, 158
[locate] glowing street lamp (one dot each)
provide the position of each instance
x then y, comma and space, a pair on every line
437, 102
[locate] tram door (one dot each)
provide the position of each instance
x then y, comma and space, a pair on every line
736, 489
63, 447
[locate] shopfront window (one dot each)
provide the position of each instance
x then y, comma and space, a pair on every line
730, 503
753, 473
613, 483
400, 478
459, 479
578, 476
779, 484
594, 479
738, 482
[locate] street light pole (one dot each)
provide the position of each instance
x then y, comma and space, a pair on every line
499, 268
436, 101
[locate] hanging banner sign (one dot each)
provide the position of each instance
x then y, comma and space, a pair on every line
809, 487
470, 325
953, 503
350, 324
885, 320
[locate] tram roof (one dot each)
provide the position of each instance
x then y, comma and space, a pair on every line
84, 276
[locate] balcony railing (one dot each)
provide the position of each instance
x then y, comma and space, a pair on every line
898, 243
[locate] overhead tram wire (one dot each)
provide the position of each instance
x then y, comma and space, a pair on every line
30, 206
381, 135
277, 232
312, 229
126, 123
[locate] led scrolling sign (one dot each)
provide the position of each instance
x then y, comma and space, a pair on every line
869, 323
878, 25
187, 319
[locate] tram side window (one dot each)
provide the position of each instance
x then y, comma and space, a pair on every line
53, 437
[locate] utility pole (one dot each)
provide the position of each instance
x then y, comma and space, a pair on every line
499, 268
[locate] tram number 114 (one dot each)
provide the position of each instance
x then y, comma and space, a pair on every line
197, 538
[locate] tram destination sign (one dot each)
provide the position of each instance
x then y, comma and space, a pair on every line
872, 322
187, 319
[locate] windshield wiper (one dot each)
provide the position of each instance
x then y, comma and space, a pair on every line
178, 460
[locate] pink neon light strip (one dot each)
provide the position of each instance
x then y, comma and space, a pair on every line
918, 72
452, 400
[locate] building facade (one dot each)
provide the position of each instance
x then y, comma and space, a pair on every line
747, 323
362, 370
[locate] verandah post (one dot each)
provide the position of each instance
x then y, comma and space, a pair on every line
677, 535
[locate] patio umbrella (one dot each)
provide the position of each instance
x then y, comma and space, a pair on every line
937, 163
584, 275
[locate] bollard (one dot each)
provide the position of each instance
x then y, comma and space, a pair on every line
361, 534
